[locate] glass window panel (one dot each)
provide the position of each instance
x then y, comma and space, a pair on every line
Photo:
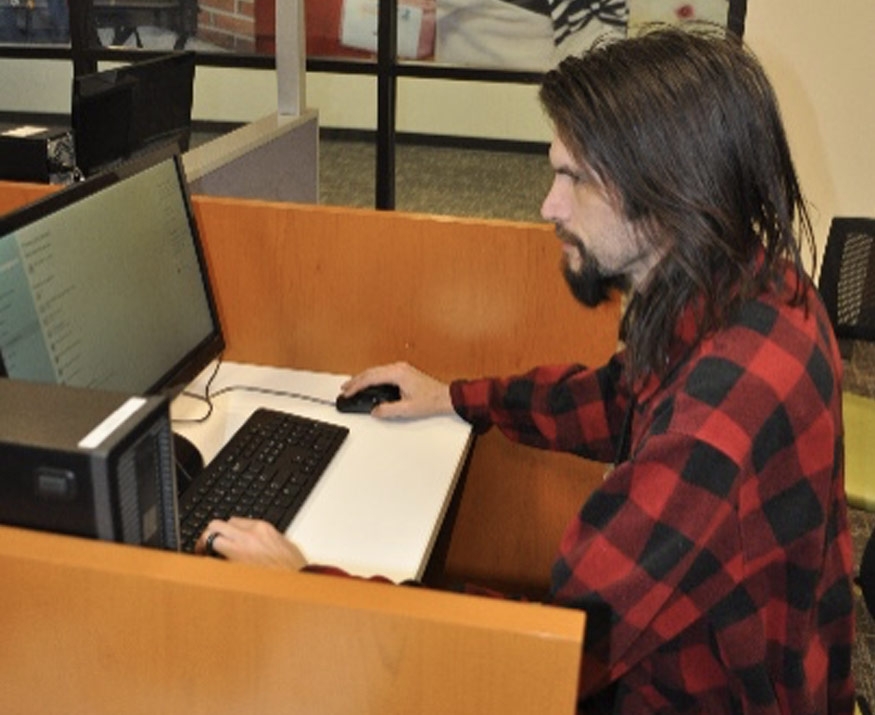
34, 22
522, 35
348, 28
525, 35
534, 35
205, 25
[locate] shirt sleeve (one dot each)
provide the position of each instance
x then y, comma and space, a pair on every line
328, 570
566, 408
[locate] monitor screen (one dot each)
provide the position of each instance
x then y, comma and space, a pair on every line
119, 113
104, 285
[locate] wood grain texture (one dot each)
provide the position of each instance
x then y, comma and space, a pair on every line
99, 629
338, 290
342, 289
15, 194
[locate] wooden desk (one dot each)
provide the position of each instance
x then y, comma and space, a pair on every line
94, 628
102, 628
341, 289
380, 504
337, 290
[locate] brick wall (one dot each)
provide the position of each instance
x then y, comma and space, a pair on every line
229, 24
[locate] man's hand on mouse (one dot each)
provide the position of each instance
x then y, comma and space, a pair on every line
421, 394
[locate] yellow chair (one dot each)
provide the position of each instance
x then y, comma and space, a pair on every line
859, 420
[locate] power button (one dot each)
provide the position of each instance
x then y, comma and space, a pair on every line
55, 484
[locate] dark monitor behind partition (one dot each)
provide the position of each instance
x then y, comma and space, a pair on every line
123, 112
104, 285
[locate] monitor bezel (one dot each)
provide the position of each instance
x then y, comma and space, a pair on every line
190, 365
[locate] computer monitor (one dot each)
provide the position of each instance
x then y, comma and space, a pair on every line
104, 285
120, 113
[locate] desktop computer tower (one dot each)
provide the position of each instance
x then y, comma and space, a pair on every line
37, 153
87, 462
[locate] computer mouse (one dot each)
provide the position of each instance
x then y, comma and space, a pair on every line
368, 398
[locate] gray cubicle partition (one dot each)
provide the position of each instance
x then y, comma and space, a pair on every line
275, 158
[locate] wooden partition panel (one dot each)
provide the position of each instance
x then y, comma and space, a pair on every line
342, 289
337, 289
14, 194
100, 629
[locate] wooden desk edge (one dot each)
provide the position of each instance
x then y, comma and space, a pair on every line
144, 564
137, 630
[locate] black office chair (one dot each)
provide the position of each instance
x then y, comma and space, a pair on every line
847, 279
866, 582
866, 578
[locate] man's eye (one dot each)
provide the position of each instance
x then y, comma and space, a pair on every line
573, 176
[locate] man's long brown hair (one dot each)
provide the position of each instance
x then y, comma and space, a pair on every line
685, 127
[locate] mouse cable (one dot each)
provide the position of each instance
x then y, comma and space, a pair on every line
205, 398
272, 391
209, 396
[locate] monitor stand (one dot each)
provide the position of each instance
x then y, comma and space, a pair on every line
189, 462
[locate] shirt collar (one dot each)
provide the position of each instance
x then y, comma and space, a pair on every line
686, 334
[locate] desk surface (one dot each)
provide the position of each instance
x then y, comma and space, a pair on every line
380, 504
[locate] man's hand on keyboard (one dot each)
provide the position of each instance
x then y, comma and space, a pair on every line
249, 541
421, 394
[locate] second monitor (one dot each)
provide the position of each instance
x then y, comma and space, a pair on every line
120, 113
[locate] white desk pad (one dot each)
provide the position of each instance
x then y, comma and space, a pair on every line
379, 505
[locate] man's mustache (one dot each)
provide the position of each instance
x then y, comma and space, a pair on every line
567, 237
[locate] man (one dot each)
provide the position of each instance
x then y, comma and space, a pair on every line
714, 562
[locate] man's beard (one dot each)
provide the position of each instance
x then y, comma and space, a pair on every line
590, 284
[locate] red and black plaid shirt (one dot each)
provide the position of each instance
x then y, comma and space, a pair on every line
714, 562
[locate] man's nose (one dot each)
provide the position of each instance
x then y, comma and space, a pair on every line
550, 205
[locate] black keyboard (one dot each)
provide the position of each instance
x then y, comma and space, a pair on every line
265, 471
